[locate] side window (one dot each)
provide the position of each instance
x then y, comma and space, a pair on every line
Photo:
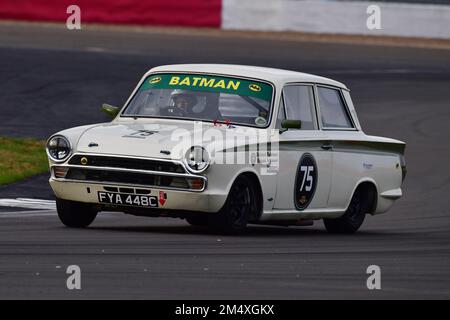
332, 109
281, 114
299, 104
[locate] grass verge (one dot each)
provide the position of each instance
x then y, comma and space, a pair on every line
21, 158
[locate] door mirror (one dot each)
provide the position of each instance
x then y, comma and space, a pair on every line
110, 110
291, 124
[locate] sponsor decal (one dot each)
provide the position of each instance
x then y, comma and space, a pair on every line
204, 82
162, 197
305, 181
260, 121
199, 82
140, 134
367, 165
155, 80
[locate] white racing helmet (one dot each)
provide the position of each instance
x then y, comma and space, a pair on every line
184, 93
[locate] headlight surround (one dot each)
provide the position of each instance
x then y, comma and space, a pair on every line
58, 148
197, 159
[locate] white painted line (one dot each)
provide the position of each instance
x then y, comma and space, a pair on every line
27, 213
28, 203
41, 201
95, 49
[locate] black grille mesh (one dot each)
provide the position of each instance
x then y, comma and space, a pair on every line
127, 163
125, 177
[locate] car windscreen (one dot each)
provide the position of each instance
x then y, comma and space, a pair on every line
203, 97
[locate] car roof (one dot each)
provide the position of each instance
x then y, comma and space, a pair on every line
277, 76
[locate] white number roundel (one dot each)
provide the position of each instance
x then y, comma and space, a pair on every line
305, 181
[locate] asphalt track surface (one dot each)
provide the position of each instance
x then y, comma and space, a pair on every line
51, 79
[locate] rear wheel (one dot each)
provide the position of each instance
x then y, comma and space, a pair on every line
353, 217
75, 214
240, 205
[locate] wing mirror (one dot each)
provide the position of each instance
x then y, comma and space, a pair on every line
290, 124
110, 110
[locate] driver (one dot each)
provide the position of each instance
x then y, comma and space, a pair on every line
183, 101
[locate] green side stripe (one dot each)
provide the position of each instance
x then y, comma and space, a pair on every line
346, 145
338, 146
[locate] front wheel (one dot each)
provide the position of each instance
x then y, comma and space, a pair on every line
241, 203
75, 214
352, 218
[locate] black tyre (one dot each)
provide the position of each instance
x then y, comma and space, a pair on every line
200, 220
240, 205
75, 214
353, 217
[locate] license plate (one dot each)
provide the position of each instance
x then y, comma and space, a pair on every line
128, 199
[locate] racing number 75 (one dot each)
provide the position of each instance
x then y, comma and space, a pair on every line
307, 170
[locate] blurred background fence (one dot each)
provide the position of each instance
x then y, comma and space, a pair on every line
407, 18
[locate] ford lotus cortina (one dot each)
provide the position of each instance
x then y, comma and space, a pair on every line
224, 146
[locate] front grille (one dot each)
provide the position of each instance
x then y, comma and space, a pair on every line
133, 178
127, 163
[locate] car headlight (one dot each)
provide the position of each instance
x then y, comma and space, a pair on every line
58, 148
197, 159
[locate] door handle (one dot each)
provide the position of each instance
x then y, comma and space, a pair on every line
327, 146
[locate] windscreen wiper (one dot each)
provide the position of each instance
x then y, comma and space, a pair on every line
254, 103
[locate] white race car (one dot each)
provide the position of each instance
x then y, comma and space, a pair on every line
228, 145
